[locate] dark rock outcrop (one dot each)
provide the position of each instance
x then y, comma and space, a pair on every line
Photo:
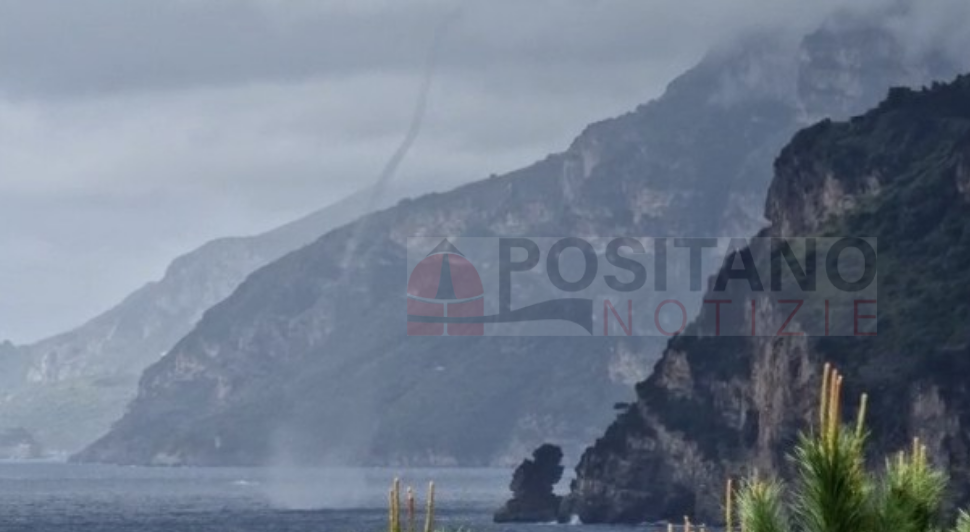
719, 407
533, 484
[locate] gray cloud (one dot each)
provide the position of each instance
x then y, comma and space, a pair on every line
51, 47
131, 131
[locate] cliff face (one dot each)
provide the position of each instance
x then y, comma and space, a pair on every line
307, 361
68, 389
716, 407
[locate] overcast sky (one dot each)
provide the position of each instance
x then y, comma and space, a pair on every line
133, 130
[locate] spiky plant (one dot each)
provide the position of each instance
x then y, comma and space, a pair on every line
760, 506
963, 522
410, 510
833, 491
394, 509
394, 519
429, 510
912, 492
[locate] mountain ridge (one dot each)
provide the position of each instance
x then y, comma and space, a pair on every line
69, 388
304, 361
720, 407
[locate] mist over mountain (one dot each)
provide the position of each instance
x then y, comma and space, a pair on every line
717, 408
68, 389
307, 361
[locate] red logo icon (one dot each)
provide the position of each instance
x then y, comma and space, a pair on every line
445, 285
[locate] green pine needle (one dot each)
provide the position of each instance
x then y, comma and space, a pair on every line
833, 488
760, 507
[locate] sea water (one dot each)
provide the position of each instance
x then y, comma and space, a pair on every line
41, 497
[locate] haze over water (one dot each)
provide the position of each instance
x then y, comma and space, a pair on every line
42, 497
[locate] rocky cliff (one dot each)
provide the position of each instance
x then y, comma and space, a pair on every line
68, 389
715, 407
533, 488
306, 361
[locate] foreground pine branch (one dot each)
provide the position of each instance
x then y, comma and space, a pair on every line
833, 492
